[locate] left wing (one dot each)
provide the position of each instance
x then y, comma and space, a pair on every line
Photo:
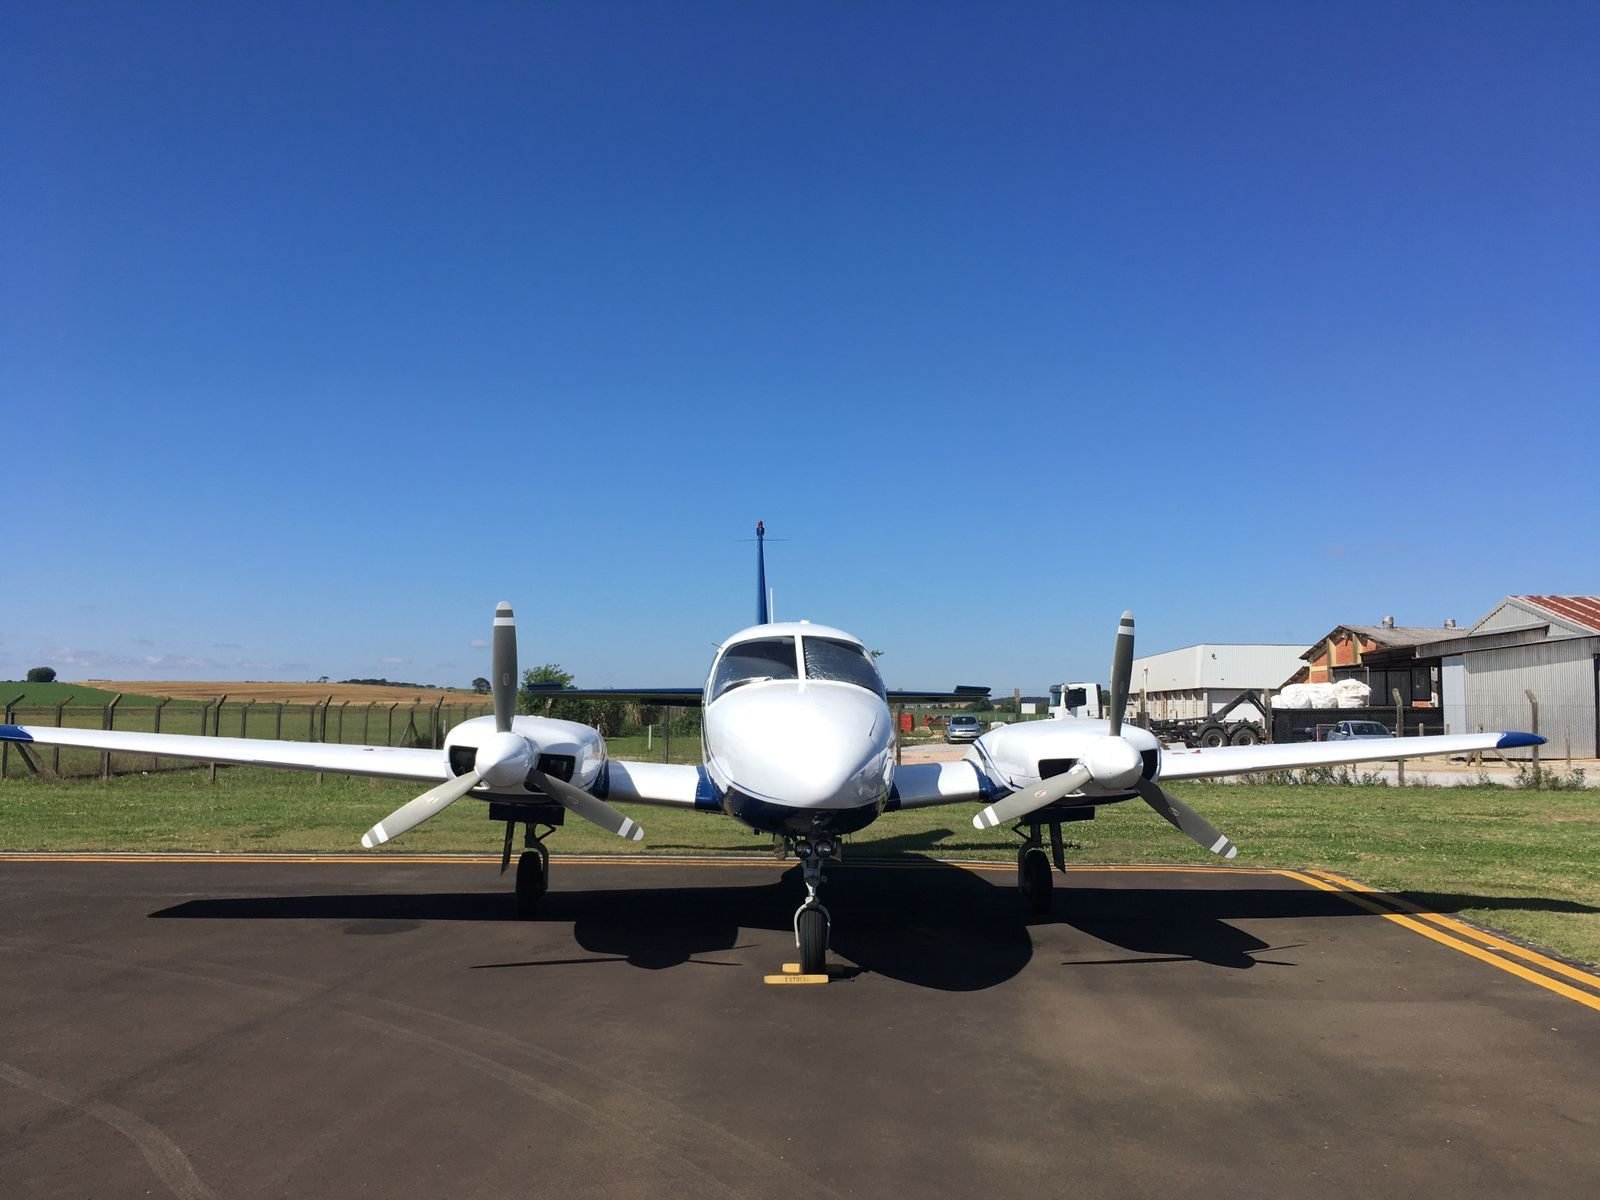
1239, 760
923, 785
390, 762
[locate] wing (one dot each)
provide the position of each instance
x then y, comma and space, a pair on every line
670, 785
963, 693
1238, 760
391, 762
923, 785
686, 697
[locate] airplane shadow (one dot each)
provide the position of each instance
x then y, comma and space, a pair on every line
910, 919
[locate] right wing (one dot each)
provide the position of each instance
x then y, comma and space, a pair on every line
1284, 756
390, 762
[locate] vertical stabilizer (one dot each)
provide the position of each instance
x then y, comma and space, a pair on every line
761, 573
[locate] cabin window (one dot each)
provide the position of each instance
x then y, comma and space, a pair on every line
844, 662
749, 662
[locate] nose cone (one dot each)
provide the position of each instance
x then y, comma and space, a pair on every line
805, 744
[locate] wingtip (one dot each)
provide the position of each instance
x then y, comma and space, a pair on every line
1513, 741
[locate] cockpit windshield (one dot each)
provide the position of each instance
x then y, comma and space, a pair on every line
767, 658
845, 662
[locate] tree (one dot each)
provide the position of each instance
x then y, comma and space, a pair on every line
322, 679
538, 699
481, 686
41, 674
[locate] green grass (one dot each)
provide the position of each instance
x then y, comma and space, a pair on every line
1521, 861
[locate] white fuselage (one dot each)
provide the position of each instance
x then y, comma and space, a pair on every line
797, 733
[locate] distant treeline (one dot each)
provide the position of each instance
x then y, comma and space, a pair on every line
432, 687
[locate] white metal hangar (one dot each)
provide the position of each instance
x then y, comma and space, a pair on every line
1197, 681
1547, 645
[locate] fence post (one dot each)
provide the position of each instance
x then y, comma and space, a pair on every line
5, 747
1533, 703
216, 731
155, 760
388, 738
666, 736
1399, 730
277, 723
342, 707
107, 720
366, 724
55, 754
244, 718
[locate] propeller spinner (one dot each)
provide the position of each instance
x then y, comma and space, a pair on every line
505, 760
1113, 763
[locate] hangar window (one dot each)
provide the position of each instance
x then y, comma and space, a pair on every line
844, 662
749, 662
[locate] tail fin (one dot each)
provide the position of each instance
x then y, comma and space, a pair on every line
761, 574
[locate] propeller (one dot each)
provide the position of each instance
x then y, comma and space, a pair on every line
1113, 763
505, 760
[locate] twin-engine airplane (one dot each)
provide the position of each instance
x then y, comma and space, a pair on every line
798, 742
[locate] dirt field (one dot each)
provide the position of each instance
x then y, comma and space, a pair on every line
291, 693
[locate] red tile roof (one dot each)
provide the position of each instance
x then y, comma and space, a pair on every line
1579, 610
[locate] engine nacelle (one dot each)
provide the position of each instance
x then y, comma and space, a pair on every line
565, 749
1023, 753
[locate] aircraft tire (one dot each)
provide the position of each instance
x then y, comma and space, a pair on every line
812, 927
530, 885
1037, 881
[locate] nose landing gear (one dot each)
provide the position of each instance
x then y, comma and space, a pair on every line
812, 924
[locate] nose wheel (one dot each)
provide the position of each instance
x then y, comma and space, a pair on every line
812, 924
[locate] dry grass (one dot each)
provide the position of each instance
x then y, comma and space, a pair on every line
291, 693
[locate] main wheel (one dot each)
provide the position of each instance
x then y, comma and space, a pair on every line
1037, 880
530, 884
812, 926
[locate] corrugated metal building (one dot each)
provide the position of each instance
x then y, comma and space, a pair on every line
1549, 645
1196, 681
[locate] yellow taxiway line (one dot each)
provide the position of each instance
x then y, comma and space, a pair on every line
1360, 900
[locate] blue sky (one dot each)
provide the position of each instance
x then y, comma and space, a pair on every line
325, 327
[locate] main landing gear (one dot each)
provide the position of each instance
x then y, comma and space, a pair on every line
1035, 879
811, 921
533, 864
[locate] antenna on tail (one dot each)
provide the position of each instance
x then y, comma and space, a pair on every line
761, 574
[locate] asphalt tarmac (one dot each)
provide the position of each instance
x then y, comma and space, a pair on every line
386, 1028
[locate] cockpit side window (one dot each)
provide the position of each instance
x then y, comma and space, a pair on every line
766, 658
845, 662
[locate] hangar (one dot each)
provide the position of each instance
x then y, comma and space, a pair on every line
1197, 681
1549, 645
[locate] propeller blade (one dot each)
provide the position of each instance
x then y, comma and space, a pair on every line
504, 664
415, 812
591, 808
1186, 819
1121, 672
1020, 804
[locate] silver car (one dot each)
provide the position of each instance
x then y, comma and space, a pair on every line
1349, 731
962, 729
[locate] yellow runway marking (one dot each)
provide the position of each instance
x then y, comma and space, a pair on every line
1444, 939
1462, 928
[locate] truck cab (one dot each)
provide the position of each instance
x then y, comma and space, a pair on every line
1078, 700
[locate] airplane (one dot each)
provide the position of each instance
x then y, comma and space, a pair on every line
798, 741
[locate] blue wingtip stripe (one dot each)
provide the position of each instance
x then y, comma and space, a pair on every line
14, 733
1510, 741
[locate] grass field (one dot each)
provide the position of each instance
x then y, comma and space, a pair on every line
1521, 861
140, 692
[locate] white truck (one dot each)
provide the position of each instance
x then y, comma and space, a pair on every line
1078, 700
